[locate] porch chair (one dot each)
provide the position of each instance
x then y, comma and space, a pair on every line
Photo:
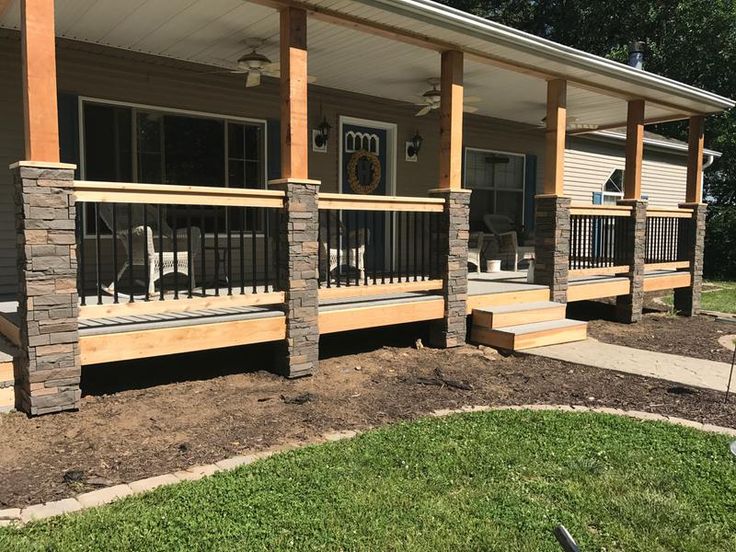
160, 263
475, 249
346, 254
502, 228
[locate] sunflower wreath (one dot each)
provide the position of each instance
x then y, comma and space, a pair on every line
355, 184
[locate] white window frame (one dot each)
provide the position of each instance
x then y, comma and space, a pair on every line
605, 194
495, 190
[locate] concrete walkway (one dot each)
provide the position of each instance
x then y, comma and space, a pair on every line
678, 369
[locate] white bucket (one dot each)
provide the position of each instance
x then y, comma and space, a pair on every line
530, 272
493, 265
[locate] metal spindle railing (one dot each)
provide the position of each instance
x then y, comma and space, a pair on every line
597, 241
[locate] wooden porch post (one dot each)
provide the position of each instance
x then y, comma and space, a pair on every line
294, 131
554, 158
634, 149
38, 43
694, 191
451, 121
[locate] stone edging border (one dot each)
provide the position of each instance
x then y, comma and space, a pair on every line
100, 497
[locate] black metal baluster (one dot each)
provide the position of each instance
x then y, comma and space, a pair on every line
348, 249
146, 260
81, 279
375, 233
175, 232
190, 263
115, 298
253, 248
356, 222
365, 246
423, 237
241, 250
277, 241
216, 236
160, 252
131, 280
98, 250
203, 249
229, 251
266, 244
328, 255
415, 241
320, 241
339, 239
399, 225
391, 247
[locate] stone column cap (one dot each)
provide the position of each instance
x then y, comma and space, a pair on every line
550, 196
691, 205
43, 165
283, 181
440, 191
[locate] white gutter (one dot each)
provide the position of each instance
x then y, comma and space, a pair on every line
651, 142
710, 160
472, 25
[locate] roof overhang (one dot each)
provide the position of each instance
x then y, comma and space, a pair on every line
663, 144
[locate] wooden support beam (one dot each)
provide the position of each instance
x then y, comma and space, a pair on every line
694, 190
451, 120
554, 156
634, 149
38, 45
294, 128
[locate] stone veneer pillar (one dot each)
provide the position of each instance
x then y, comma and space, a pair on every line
454, 232
687, 300
629, 307
48, 370
298, 275
552, 244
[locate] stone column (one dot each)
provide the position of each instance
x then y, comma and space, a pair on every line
453, 252
48, 370
687, 300
298, 275
629, 307
552, 244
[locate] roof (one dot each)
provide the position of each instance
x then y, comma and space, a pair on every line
651, 139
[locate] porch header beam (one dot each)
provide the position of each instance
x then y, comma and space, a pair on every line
694, 190
38, 43
451, 120
554, 155
634, 149
294, 128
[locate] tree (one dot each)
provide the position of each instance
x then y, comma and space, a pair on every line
693, 41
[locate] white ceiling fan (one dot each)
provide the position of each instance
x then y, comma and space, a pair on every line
430, 100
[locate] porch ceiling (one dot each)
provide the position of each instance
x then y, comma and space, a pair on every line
212, 32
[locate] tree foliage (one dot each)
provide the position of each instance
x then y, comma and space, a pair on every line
693, 41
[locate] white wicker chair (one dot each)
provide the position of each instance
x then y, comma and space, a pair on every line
160, 262
347, 255
475, 249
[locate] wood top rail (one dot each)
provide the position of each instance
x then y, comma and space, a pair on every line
601, 210
354, 202
168, 194
664, 212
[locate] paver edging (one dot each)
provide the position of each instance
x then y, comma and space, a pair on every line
107, 495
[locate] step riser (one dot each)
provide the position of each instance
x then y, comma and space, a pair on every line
507, 340
506, 319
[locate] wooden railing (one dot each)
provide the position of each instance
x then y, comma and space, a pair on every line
598, 239
667, 237
191, 247
375, 244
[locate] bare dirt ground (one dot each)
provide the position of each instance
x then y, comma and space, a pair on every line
659, 331
152, 417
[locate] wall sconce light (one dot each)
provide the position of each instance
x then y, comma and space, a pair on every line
414, 146
321, 135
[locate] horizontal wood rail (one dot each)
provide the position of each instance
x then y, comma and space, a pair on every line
601, 210
167, 194
667, 266
354, 202
669, 213
602, 271
380, 289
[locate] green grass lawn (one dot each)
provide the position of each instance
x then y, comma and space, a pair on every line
717, 296
487, 481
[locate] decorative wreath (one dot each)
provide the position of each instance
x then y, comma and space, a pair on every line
355, 184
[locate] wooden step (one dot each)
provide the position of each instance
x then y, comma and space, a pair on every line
528, 336
515, 315
7, 378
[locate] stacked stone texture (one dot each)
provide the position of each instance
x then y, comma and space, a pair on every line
453, 253
629, 307
298, 277
48, 370
552, 245
687, 300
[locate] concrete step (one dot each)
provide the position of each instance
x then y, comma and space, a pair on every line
514, 315
528, 336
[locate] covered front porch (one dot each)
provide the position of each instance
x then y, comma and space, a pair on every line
326, 193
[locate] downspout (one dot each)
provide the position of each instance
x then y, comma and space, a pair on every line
710, 159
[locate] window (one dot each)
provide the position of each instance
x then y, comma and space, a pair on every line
497, 183
613, 188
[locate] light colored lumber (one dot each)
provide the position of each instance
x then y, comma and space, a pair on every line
653, 212
380, 203
522, 314
634, 149
601, 271
666, 266
10, 331
6, 371
670, 281
507, 298
344, 292
597, 290
694, 188
358, 318
38, 55
451, 120
167, 194
554, 156
180, 305
601, 210
528, 336
95, 349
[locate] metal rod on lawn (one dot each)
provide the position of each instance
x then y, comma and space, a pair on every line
730, 375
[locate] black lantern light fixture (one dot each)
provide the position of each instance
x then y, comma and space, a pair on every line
416, 145
323, 133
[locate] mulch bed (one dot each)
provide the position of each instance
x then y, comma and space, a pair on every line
659, 331
202, 408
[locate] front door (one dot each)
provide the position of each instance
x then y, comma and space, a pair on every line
365, 168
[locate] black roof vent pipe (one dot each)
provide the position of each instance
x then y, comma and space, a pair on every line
636, 54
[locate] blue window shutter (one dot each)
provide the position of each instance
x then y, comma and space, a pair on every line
68, 107
274, 149
597, 198
530, 190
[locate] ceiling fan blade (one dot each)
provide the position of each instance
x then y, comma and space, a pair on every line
470, 109
422, 112
253, 79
